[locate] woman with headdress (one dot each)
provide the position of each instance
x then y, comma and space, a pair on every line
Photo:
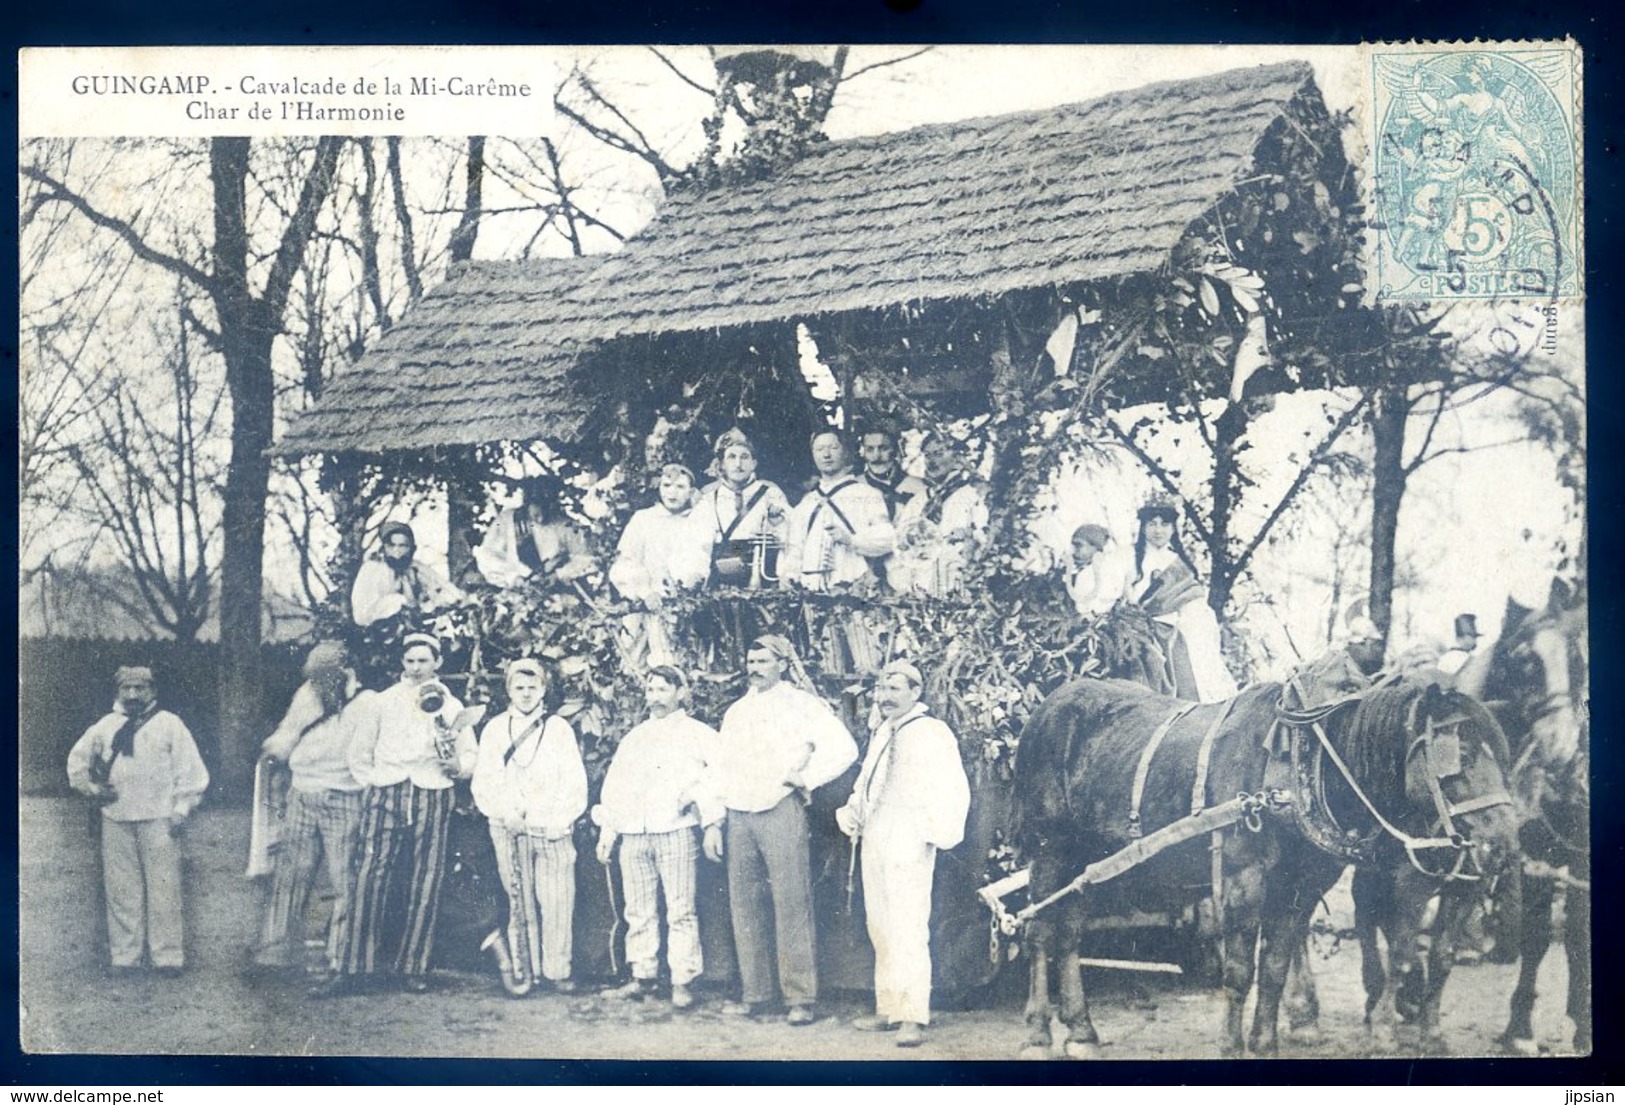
1166, 586
746, 516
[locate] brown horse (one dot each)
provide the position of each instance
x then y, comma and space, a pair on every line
1077, 803
1535, 679
1419, 907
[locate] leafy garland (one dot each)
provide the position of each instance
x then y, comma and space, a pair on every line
990, 656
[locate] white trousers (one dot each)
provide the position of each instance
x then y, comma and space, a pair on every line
655, 865
141, 867
897, 872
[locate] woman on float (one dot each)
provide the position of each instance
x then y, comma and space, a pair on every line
1166, 586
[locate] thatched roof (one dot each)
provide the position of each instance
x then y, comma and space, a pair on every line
975, 208
480, 359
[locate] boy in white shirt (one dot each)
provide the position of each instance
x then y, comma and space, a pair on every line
531, 785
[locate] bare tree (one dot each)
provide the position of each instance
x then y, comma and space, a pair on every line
247, 289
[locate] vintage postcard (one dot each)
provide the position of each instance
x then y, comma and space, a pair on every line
788, 552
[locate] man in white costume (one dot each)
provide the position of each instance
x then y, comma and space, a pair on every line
779, 743
531, 785
837, 526
657, 792
533, 542
745, 516
665, 548
911, 799
938, 532
392, 580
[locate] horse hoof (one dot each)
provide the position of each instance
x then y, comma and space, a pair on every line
1521, 1046
1035, 1051
1306, 1035
1081, 1049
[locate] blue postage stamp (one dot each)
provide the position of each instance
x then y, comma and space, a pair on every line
1477, 171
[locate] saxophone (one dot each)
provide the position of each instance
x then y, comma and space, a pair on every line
515, 976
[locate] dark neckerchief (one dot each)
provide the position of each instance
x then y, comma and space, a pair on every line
937, 497
889, 490
124, 740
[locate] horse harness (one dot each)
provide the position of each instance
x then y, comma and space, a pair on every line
1304, 798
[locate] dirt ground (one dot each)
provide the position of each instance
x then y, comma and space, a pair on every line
68, 1004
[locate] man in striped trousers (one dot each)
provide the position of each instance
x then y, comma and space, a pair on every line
531, 785
657, 792
324, 805
407, 757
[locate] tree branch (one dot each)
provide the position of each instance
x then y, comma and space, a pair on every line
61, 193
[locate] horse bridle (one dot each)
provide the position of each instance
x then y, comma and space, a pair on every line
1466, 851
1466, 865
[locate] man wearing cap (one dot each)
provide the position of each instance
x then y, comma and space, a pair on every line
838, 526
406, 756
657, 792
1455, 658
745, 516
778, 744
531, 785
910, 800
323, 813
392, 581
141, 763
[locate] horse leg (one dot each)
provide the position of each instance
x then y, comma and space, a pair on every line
1082, 1042
1288, 902
1240, 946
1301, 998
1372, 907
1039, 945
1454, 909
1577, 949
1533, 942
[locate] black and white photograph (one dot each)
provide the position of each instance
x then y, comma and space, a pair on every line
847, 552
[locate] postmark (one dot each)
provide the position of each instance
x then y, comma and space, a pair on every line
1476, 168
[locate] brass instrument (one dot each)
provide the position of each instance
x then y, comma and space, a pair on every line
432, 698
764, 560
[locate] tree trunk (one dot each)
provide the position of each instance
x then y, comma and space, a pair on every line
246, 338
1228, 430
468, 227
1389, 411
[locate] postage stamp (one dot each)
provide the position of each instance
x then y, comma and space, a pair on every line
1477, 170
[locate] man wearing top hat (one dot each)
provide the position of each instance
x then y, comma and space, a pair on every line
141, 763
1454, 658
777, 745
406, 756
911, 799
392, 581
